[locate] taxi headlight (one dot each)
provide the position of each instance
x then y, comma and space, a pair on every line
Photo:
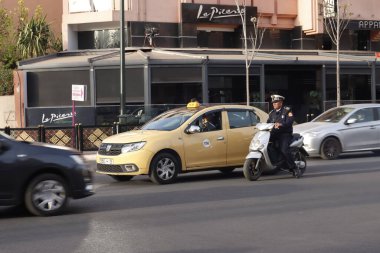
130, 147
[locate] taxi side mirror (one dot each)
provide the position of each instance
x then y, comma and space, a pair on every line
193, 129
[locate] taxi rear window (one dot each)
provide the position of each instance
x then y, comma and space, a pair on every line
242, 118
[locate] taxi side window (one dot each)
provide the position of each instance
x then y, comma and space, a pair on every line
242, 118
210, 121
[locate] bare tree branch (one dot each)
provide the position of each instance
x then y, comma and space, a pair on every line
255, 39
335, 19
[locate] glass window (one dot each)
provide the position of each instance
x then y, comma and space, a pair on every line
176, 74
108, 85
333, 115
242, 118
210, 121
169, 120
377, 113
53, 88
364, 115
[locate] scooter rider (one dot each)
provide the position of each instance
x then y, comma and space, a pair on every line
282, 117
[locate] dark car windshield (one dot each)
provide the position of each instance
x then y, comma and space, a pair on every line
334, 115
4, 135
169, 120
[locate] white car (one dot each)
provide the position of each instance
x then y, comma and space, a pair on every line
347, 128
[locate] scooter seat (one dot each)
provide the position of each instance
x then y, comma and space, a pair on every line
296, 141
296, 136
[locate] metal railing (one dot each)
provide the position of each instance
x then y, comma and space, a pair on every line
82, 138
89, 138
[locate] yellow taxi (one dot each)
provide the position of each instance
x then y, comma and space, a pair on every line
186, 139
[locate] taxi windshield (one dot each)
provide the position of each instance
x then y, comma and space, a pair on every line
334, 115
169, 120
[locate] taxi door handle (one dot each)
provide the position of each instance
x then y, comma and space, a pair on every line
220, 138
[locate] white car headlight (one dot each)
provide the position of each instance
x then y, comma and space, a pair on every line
130, 147
311, 134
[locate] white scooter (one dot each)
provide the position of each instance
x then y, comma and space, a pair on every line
264, 156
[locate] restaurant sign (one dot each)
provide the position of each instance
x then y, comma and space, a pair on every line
219, 14
59, 116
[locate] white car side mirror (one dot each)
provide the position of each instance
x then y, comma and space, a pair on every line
351, 121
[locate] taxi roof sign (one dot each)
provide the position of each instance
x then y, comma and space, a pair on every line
193, 105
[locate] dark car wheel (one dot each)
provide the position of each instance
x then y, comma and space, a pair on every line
330, 149
46, 194
121, 178
164, 168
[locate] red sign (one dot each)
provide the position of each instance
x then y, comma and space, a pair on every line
78, 92
377, 54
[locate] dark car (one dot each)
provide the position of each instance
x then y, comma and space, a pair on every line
41, 176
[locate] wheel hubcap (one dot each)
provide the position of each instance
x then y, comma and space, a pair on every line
49, 195
165, 169
330, 150
253, 169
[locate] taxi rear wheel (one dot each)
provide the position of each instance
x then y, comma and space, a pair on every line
164, 168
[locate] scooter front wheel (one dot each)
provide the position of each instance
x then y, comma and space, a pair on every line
250, 171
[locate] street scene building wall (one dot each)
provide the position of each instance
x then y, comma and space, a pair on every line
192, 49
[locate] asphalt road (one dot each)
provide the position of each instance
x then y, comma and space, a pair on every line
335, 207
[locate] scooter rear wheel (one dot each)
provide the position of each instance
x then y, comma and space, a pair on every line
250, 171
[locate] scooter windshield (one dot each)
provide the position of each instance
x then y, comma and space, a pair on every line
265, 126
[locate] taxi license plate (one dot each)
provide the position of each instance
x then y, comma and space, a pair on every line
106, 161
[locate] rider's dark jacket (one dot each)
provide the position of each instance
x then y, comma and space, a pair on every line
283, 116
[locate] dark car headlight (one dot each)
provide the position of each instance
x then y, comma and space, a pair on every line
78, 159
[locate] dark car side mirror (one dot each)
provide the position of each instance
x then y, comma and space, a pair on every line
3, 146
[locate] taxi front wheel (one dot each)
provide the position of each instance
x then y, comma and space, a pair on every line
164, 168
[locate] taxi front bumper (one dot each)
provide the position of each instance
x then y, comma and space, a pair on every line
132, 163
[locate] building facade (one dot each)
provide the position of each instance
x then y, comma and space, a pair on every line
291, 24
52, 9
194, 49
